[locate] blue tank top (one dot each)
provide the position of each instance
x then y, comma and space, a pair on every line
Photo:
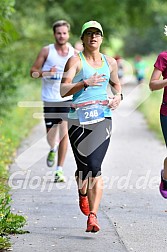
92, 93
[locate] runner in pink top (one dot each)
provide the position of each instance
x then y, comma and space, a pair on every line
160, 69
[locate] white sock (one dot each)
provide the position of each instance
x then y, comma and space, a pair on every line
55, 147
59, 168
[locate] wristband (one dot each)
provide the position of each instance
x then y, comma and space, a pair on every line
120, 95
85, 85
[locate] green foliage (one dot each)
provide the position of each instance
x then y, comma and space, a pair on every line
92, 10
135, 10
56, 13
15, 125
9, 223
27, 26
7, 8
152, 115
8, 82
4, 243
148, 36
7, 68
6, 155
150, 108
8, 32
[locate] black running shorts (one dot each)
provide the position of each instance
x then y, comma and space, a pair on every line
89, 144
56, 112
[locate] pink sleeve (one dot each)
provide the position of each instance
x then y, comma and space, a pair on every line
160, 62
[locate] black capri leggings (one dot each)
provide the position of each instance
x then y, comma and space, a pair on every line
163, 119
89, 144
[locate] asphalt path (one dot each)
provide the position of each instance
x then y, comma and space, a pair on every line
132, 213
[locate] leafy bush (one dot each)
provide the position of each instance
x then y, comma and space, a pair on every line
8, 87
9, 223
4, 243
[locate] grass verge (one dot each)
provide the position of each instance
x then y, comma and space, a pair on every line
150, 108
151, 111
15, 126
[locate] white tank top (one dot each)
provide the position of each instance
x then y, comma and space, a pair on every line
51, 85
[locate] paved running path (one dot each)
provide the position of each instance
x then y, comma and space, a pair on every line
132, 213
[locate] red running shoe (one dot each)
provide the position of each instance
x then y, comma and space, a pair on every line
84, 204
92, 225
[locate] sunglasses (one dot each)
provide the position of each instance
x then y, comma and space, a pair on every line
91, 33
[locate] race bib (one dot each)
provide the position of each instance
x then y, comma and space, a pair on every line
90, 114
57, 76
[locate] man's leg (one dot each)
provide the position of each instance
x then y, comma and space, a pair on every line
52, 136
62, 151
53, 141
63, 143
52, 131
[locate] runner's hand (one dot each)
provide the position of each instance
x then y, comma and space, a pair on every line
52, 71
95, 80
114, 102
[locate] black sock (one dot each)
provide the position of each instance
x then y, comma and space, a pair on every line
165, 183
82, 194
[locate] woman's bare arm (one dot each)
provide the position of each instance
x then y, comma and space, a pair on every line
155, 82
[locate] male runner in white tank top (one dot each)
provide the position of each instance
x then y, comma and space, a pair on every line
49, 65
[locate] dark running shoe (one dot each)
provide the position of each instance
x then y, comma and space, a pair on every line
163, 186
